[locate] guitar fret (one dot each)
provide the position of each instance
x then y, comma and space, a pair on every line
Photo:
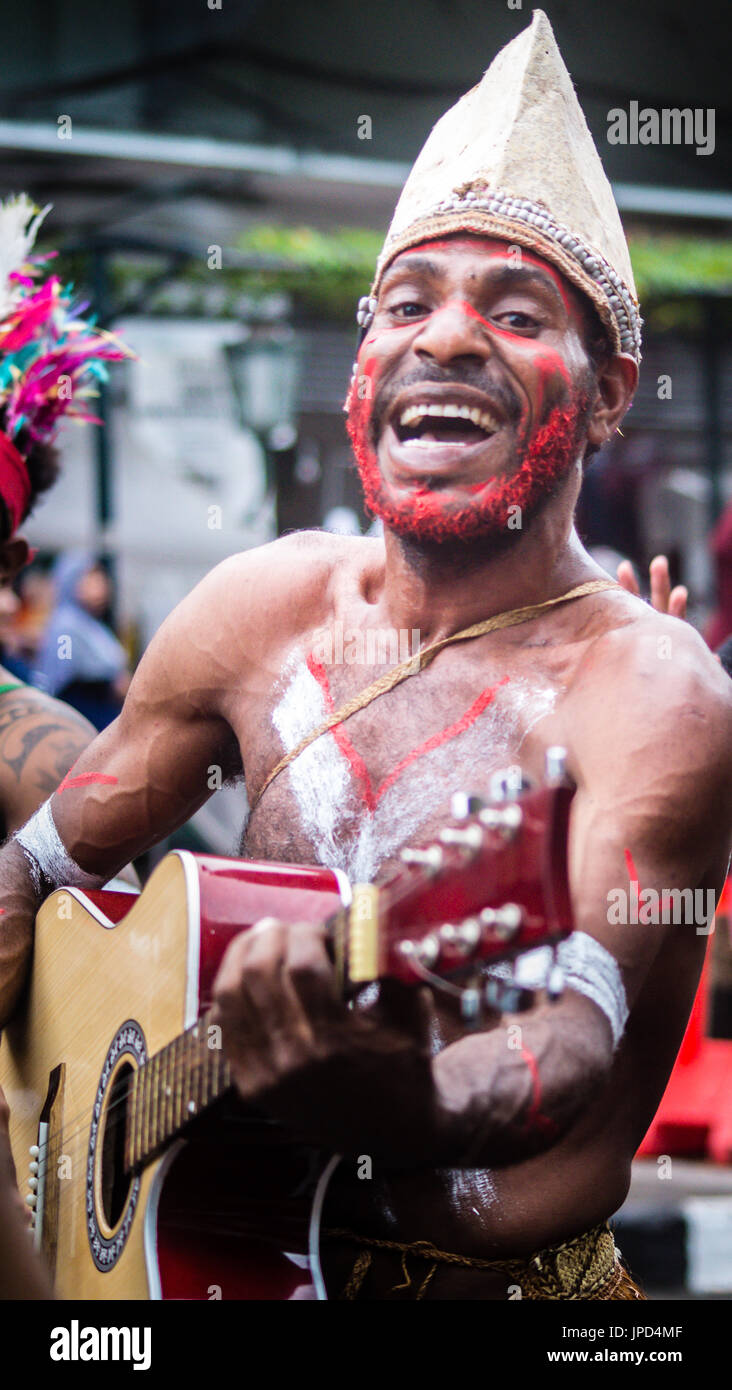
196, 1094
174, 1084
157, 1109
150, 1092
130, 1123
139, 1111
154, 1085
180, 1080
158, 1102
198, 1064
168, 1079
141, 1123
189, 1076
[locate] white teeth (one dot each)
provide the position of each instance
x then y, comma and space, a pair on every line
414, 413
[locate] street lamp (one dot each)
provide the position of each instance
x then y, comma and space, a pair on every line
264, 367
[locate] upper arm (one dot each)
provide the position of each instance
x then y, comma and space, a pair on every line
652, 758
651, 755
171, 746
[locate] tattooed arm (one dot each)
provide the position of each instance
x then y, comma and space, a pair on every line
40, 739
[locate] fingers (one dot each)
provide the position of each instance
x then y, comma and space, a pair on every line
660, 584
276, 1000
678, 601
626, 576
663, 598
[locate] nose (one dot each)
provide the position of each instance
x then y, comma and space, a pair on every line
453, 332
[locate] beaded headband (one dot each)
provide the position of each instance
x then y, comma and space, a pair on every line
514, 159
492, 213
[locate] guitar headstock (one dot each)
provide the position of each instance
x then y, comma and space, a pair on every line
491, 884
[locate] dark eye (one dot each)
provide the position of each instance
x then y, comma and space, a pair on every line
408, 309
519, 319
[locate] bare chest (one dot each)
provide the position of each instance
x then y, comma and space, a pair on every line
385, 776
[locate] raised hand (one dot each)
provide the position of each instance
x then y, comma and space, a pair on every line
663, 598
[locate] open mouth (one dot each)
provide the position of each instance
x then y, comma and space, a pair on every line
441, 442
430, 423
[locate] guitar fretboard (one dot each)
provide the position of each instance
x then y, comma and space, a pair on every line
172, 1087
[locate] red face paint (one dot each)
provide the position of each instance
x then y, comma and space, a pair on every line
547, 433
429, 516
503, 250
547, 362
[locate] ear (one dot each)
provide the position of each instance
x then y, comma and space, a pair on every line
616, 383
14, 554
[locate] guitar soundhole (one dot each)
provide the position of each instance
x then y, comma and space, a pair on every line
111, 1194
115, 1183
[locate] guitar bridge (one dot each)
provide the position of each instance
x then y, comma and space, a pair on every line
45, 1159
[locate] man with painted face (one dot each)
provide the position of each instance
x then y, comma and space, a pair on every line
500, 349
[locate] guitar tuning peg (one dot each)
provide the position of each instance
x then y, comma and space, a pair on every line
503, 921
505, 819
508, 783
507, 997
555, 764
463, 806
471, 837
471, 1005
430, 858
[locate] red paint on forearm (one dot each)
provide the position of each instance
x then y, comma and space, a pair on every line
632, 871
85, 779
535, 1119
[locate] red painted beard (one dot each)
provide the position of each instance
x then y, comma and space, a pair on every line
428, 516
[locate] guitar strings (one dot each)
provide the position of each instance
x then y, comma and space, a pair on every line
58, 1143
83, 1120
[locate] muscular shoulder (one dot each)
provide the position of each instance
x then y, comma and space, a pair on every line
300, 559
645, 660
651, 708
285, 587
234, 626
40, 739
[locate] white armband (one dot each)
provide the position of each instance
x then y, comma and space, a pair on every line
586, 966
590, 969
47, 855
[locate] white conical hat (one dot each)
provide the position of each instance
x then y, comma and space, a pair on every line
515, 159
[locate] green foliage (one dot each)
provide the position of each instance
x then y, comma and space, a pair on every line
323, 274
675, 265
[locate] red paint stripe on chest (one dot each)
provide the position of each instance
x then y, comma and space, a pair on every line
451, 731
358, 766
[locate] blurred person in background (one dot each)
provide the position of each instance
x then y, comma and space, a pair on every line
43, 343
44, 346
24, 617
80, 659
10, 657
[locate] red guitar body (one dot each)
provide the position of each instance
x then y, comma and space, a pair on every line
232, 1194
174, 1188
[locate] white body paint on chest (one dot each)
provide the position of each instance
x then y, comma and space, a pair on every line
344, 833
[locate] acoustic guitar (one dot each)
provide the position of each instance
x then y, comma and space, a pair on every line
147, 1176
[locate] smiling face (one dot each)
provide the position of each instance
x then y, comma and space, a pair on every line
472, 391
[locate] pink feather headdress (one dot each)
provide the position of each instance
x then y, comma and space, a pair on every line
50, 357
